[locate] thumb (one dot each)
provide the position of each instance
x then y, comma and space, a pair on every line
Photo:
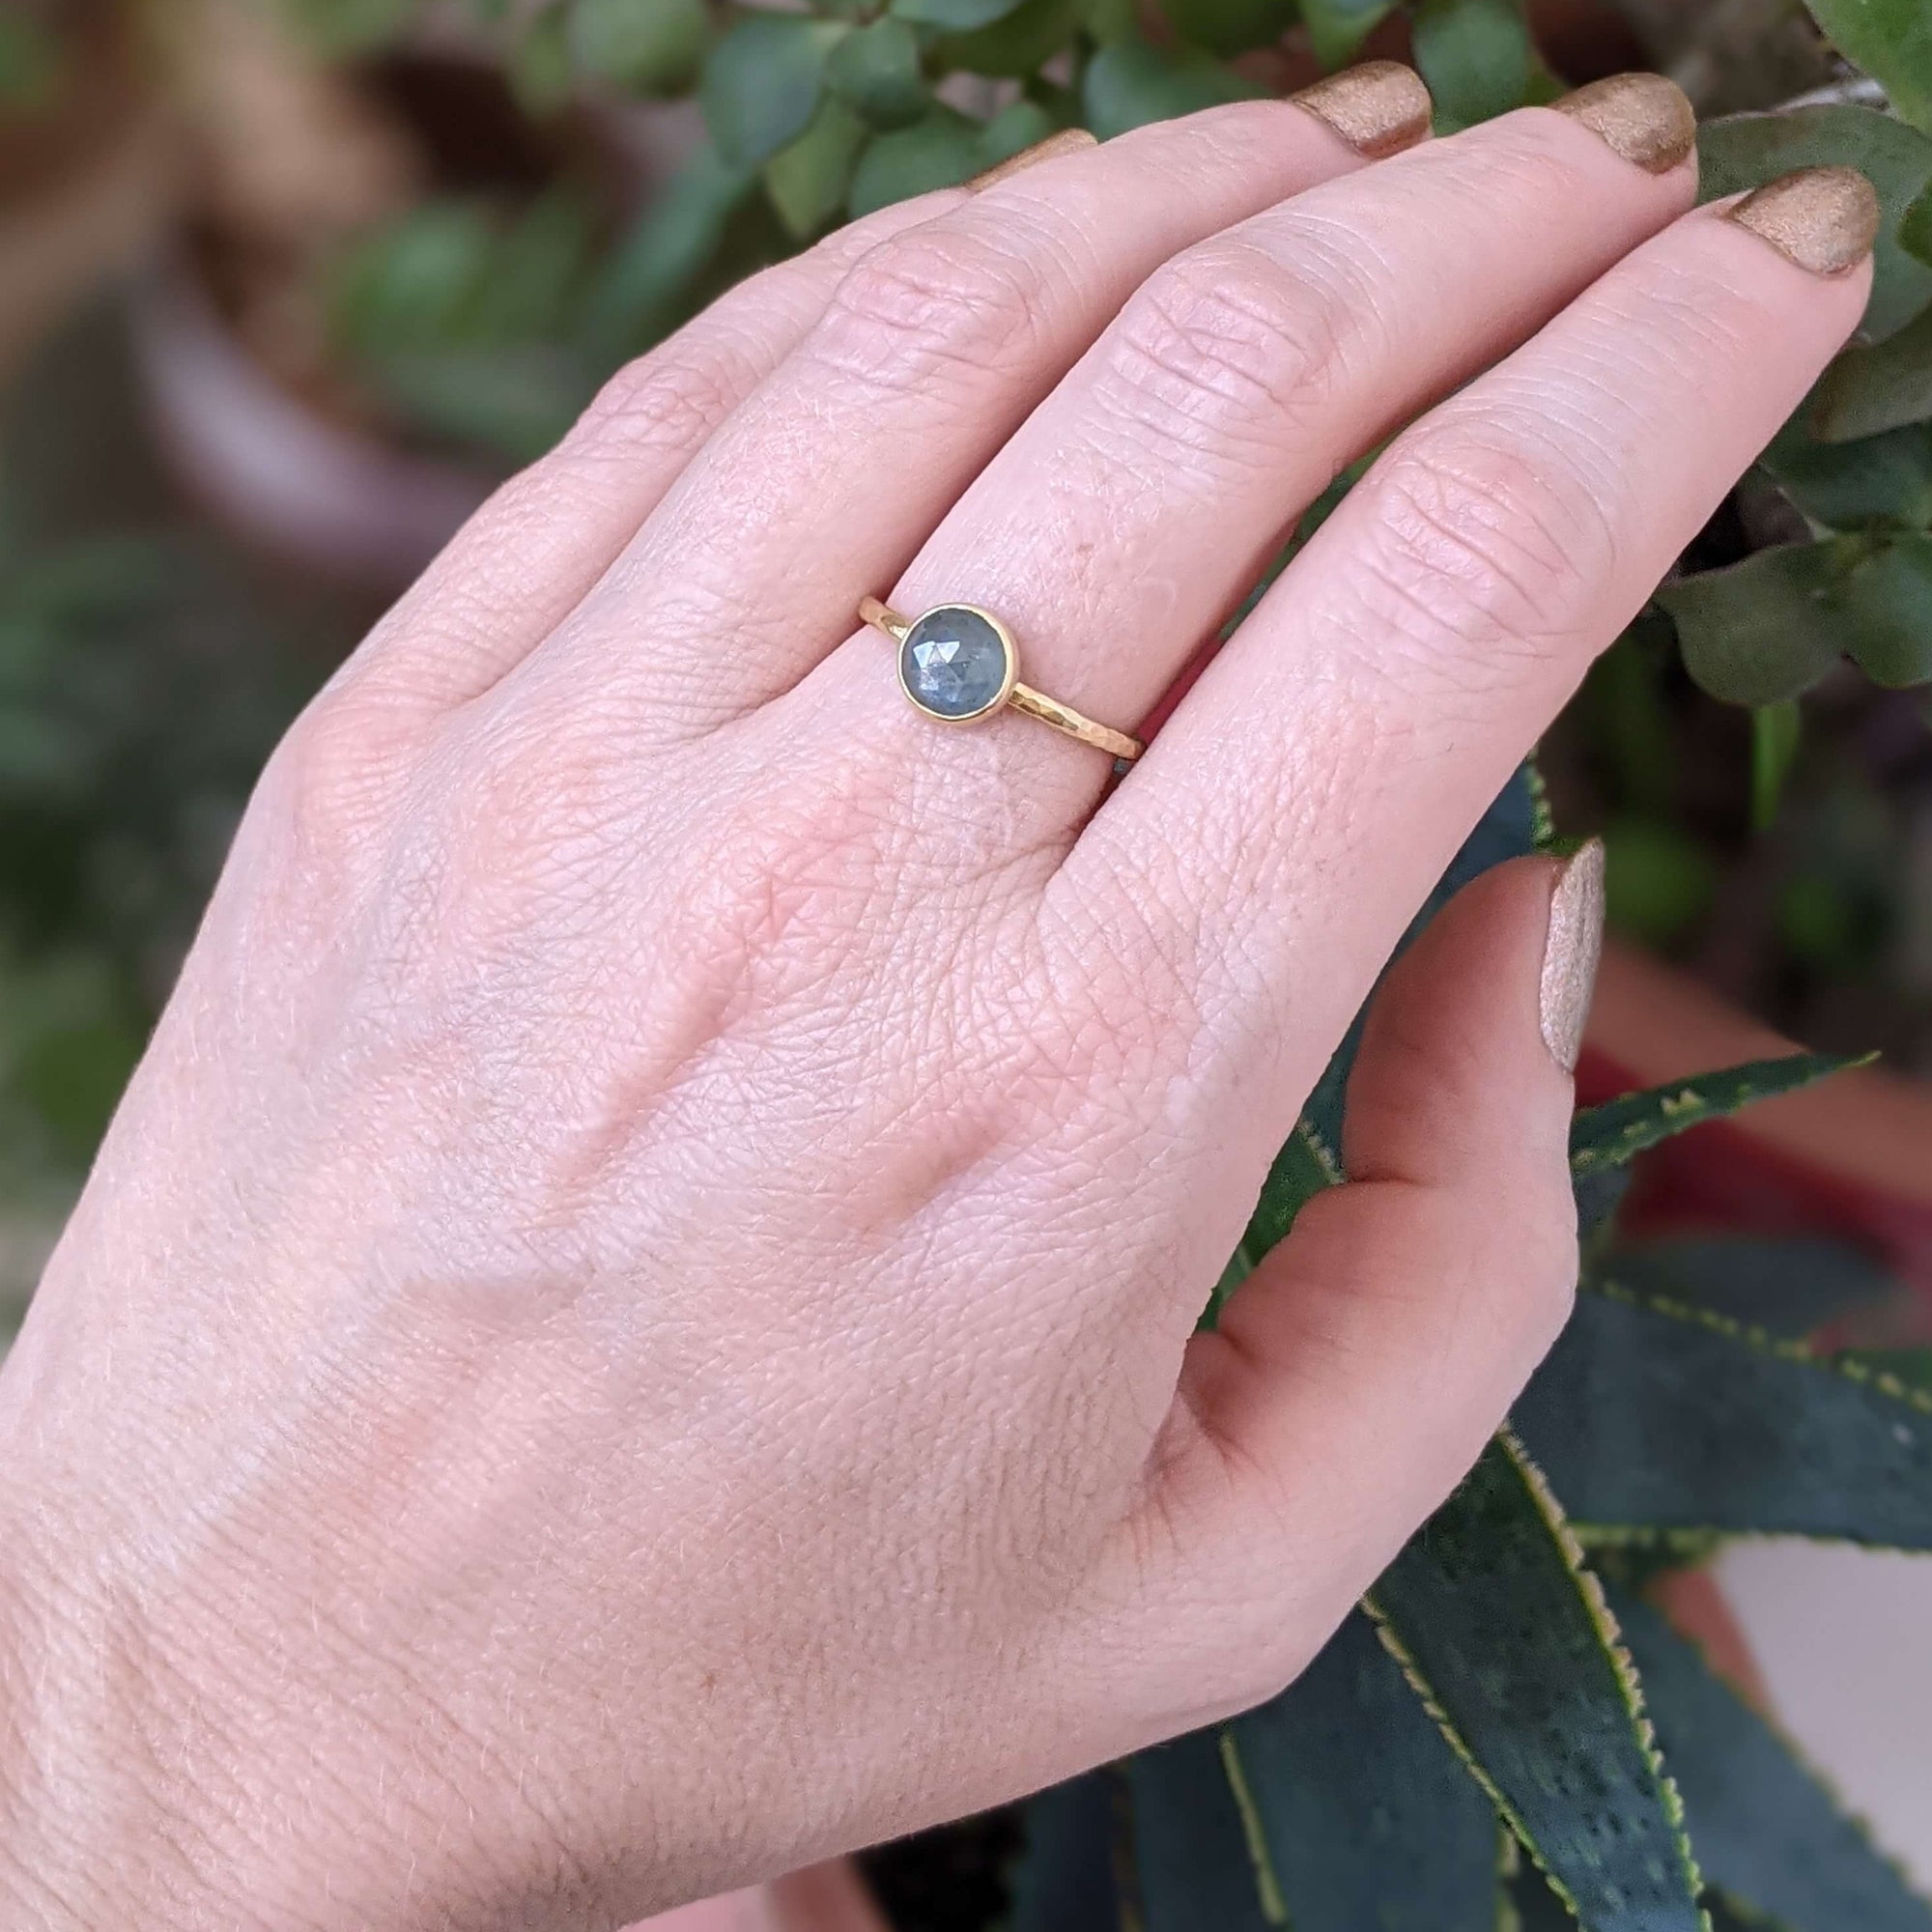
1357, 1374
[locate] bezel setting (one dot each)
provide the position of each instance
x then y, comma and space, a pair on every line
1007, 646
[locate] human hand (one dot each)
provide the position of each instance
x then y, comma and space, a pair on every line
635, 1327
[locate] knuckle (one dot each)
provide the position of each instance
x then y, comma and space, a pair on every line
670, 400
944, 299
1224, 343
1486, 550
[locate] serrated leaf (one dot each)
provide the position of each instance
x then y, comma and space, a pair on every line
1880, 481
1194, 1856
1128, 84
1476, 57
1227, 27
1877, 387
1063, 1879
1655, 1418
1336, 28
1891, 40
1620, 1129
1788, 1284
876, 68
648, 46
1369, 1819
940, 151
1769, 1833
1015, 46
956, 17
807, 181
762, 83
1300, 1171
1743, 151
1489, 1611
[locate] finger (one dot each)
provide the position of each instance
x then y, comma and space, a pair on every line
1356, 1375
530, 554
1143, 499
1314, 783
933, 350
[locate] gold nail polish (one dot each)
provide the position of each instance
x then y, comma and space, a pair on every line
1570, 952
1380, 108
1643, 117
1067, 141
1825, 220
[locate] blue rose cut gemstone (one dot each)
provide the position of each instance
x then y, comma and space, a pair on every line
954, 662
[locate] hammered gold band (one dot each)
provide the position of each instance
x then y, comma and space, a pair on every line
959, 663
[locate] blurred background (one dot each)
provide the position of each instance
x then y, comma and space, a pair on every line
286, 285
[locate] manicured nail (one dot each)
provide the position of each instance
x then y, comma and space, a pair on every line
1068, 141
1570, 952
1642, 117
1380, 108
1825, 220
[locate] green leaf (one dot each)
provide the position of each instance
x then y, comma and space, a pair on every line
1502, 1632
512, 399
1336, 28
876, 69
1064, 1881
1661, 881
1476, 57
31, 66
1369, 1819
762, 83
1230, 26
1891, 40
1788, 1284
1876, 387
649, 47
1887, 605
346, 28
1764, 630
1018, 125
1197, 1862
1620, 1129
1657, 1418
1770, 1832
539, 70
1302, 1170
1881, 481
807, 181
1128, 84
1744, 149
1013, 46
1775, 729
956, 17
1915, 229
940, 151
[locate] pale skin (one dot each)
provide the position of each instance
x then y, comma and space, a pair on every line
636, 1327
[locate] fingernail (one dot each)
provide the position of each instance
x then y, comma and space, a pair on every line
1570, 952
1642, 117
1825, 220
1380, 108
1068, 141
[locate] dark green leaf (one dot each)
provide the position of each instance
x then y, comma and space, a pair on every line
807, 181
1775, 729
1336, 28
1129, 83
1302, 1170
1769, 1831
1656, 1417
1197, 1863
1888, 603
512, 400
1877, 387
1502, 1632
956, 17
1855, 486
1915, 229
31, 66
1230, 26
1764, 630
1476, 55
938, 152
1891, 40
1787, 1284
1369, 1819
1018, 125
1014, 46
876, 68
1065, 1878
1744, 149
650, 46
1660, 878
1910, 1368
1616, 1132
539, 70
762, 83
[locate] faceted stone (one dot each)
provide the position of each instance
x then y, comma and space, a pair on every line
954, 662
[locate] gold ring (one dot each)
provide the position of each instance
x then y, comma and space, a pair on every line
960, 663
